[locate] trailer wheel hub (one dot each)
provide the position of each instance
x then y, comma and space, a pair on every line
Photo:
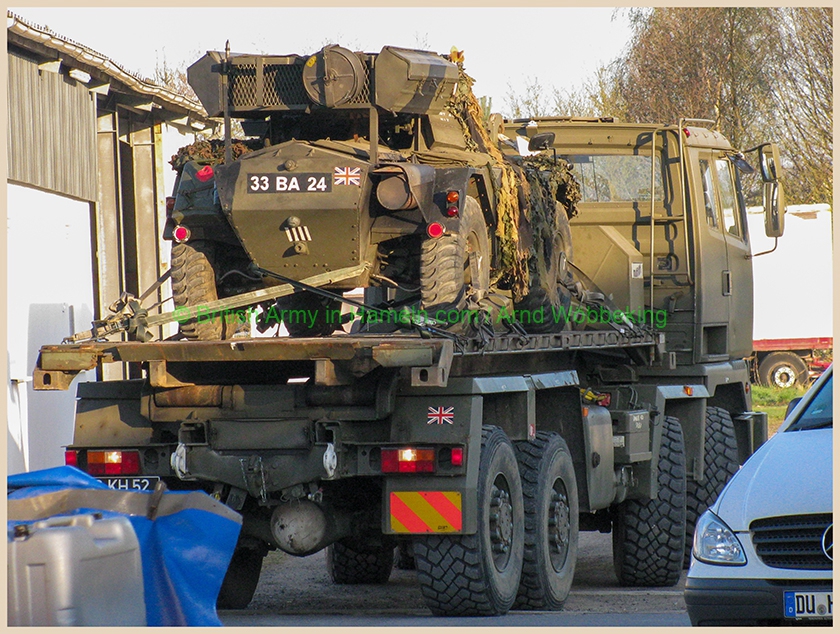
784, 376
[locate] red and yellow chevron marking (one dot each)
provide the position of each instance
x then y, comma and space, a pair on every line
425, 511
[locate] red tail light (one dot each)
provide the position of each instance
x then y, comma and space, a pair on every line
408, 460
71, 458
435, 230
101, 463
204, 174
181, 233
457, 456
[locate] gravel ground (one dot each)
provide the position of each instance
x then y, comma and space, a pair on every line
294, 585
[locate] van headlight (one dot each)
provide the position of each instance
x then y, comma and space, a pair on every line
715, 543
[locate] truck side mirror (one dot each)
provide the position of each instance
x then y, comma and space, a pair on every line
770, 168
541, 141
774, 209
769, 163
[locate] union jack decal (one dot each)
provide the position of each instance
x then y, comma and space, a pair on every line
441, 415
347, 176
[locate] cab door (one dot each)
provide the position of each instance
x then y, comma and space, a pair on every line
738, 275
713, 272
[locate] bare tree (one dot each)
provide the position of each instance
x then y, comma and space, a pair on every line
571, 102
173, 77
804, 101
755, 72
532, 103
709, 63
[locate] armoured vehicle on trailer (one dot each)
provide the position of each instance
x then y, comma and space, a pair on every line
613, 399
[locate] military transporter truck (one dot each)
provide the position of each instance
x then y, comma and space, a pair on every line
480, 453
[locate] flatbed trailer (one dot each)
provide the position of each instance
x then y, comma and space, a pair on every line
363, 443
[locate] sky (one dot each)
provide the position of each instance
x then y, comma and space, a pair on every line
505, 48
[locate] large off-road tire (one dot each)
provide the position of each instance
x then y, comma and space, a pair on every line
325, 312
348, 566
649, 536
194, 285
783, 369
478, 575
455, 266
719, 465
549, 491
543, 311
241, 578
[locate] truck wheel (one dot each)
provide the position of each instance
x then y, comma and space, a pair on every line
549, 491
720, 464
649, 536
478, 575
545, 310
194, 284
348, 566
783, 369
453, 267
313, 316
241, 578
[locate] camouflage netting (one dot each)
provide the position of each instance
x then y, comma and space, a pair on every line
526, 194
211, 152
548, 183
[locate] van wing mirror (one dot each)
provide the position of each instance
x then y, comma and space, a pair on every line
792, 406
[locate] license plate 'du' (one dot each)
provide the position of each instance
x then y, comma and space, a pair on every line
808, 605
136, 483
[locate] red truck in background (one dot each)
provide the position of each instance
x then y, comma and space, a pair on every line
792, 323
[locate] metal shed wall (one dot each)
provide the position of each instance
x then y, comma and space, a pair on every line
52, 130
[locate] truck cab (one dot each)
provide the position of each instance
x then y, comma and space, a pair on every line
662, 227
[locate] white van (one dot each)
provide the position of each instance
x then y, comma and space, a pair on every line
762, 553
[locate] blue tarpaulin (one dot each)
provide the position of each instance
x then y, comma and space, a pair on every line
185, 549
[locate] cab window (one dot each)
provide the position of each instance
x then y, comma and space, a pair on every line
728, 198
616, 177
709, 201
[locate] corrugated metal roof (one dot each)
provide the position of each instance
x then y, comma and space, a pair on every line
82, 54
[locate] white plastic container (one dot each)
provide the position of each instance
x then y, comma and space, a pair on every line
75, 570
